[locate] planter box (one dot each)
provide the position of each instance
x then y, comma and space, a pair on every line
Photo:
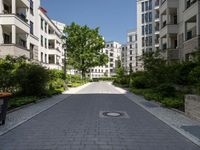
192, 106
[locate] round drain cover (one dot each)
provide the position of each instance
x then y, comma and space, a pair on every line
112, 114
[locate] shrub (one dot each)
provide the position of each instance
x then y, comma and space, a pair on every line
32, 79
166, 90
173, 103
139, 82
194, 77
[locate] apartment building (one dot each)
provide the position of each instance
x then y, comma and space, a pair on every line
113, 50
15, 27
132, 51
124, 56
26, 30
148, 25
180, 28
148, 28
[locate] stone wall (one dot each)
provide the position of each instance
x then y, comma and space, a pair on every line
192, 106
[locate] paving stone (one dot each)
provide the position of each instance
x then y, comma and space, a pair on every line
74, 123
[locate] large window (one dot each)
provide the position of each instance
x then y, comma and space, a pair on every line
150, 17
42, 24
146, 17
150, 28
41, 40
150, 4
142, 18
142, 30
142, 6
146, 6
31, 27
31, 7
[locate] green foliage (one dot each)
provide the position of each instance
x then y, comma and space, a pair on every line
84, 47
173, 103
32, 79
194, 77
8, 68
20, 101
166, 90
139, 80
56, 80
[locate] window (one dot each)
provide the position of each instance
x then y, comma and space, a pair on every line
45, 27
150, 4
150, 41
31, 7
142, 6
41, 57
41, 40
31, 27
31, 51
142, 30
131, 46
111, 60
146, 5
45, 43
130, 39
51, 59
150, 17
42, 23
146, 17
111, 54
131, 58
7, 39
147, 29
131, 52
150, 28
45, 58
142, 18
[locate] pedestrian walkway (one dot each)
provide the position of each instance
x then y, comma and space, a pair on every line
82, 122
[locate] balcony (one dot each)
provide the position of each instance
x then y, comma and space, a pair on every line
13, 50
168, 4
11, 19
15, 13
169, 29
191, 45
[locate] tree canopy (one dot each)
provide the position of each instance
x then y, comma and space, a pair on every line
84, 47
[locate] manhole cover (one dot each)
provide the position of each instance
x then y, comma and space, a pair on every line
113, 114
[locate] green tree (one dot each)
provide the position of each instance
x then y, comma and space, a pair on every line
84, 47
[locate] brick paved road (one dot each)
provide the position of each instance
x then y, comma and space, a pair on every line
75, 124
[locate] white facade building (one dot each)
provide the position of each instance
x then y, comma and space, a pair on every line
148, 25
124, 57
113, 50
132, 51
26, 30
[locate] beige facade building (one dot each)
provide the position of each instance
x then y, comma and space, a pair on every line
180, 28
26, 30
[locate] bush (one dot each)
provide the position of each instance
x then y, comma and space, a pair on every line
166, 90
173, 103
139, 82
194, 77
32, 79
56, 79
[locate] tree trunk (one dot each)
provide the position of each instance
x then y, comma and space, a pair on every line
83, 74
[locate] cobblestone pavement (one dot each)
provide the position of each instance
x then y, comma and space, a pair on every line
77, 123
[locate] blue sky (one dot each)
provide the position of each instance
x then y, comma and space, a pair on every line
114, 17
